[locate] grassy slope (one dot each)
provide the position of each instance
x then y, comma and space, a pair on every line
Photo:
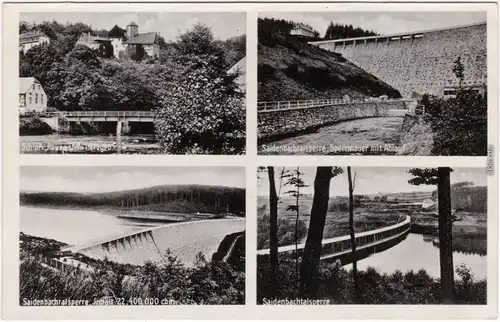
289, 69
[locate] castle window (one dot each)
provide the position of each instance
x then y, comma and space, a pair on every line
30, 100
41, 98
36, 98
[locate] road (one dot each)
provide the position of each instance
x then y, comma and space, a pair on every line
381, 135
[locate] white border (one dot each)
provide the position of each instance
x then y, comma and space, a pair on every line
12, 160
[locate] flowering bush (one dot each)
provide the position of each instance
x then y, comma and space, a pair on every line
202, 114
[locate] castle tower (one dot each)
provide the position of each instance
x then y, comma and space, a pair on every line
132, 30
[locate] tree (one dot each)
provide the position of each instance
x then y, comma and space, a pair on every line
200, 115
336, 31
459, 124
135, 52
273, 230
312, 250
296, 181
352, 183
441, 178
200, 42
458, 70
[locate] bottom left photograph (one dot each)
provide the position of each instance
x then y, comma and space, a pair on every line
131, 235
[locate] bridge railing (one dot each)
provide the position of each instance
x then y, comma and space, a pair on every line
288, 105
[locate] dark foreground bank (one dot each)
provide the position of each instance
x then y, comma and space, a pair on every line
107, 283
336, 286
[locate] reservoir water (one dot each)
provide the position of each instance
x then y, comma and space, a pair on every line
415, 253
89, 230
75, 227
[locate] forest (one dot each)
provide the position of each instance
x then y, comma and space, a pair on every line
269, 29
465, 196
167, 198
339, 31
191, 71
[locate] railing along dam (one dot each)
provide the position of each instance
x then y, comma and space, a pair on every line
281, 119
366, 242
185, 240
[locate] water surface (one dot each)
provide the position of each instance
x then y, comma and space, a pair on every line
417, 252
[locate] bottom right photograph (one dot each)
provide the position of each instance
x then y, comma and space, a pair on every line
371, 235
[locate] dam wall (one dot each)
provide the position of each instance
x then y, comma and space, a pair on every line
366, 243
185, 240
275, 124
420, 62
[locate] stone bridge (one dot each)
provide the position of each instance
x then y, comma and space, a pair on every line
368, 242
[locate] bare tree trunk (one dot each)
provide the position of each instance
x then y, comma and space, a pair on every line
357, 292
312, 250
445, 236
273, 229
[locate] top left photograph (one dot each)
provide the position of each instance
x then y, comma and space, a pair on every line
132, 83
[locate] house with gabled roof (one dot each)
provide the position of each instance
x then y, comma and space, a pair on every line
128, 41
32, 97
30, 39
239, 69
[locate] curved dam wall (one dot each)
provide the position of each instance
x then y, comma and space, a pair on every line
419, 61
185, 240
276, 124
367, 243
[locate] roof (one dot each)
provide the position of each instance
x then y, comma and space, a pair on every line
132, 24
240, 67
25, 83
116, 32
31, 34
89, 39
148, 38
303, 26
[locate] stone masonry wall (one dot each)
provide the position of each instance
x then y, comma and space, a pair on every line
288, 122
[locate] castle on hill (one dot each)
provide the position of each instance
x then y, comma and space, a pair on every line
124, 42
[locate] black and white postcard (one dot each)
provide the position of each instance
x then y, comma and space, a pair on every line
372, 83
355, 235
132, 83
131, 236
250, 160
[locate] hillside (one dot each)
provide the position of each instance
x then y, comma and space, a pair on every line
167, 198
290, 69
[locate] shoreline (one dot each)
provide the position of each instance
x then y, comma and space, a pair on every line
117, 212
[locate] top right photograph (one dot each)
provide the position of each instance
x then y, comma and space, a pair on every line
372, 83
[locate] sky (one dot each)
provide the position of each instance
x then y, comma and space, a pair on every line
116, 178
382, 22
169, 24
374, 180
